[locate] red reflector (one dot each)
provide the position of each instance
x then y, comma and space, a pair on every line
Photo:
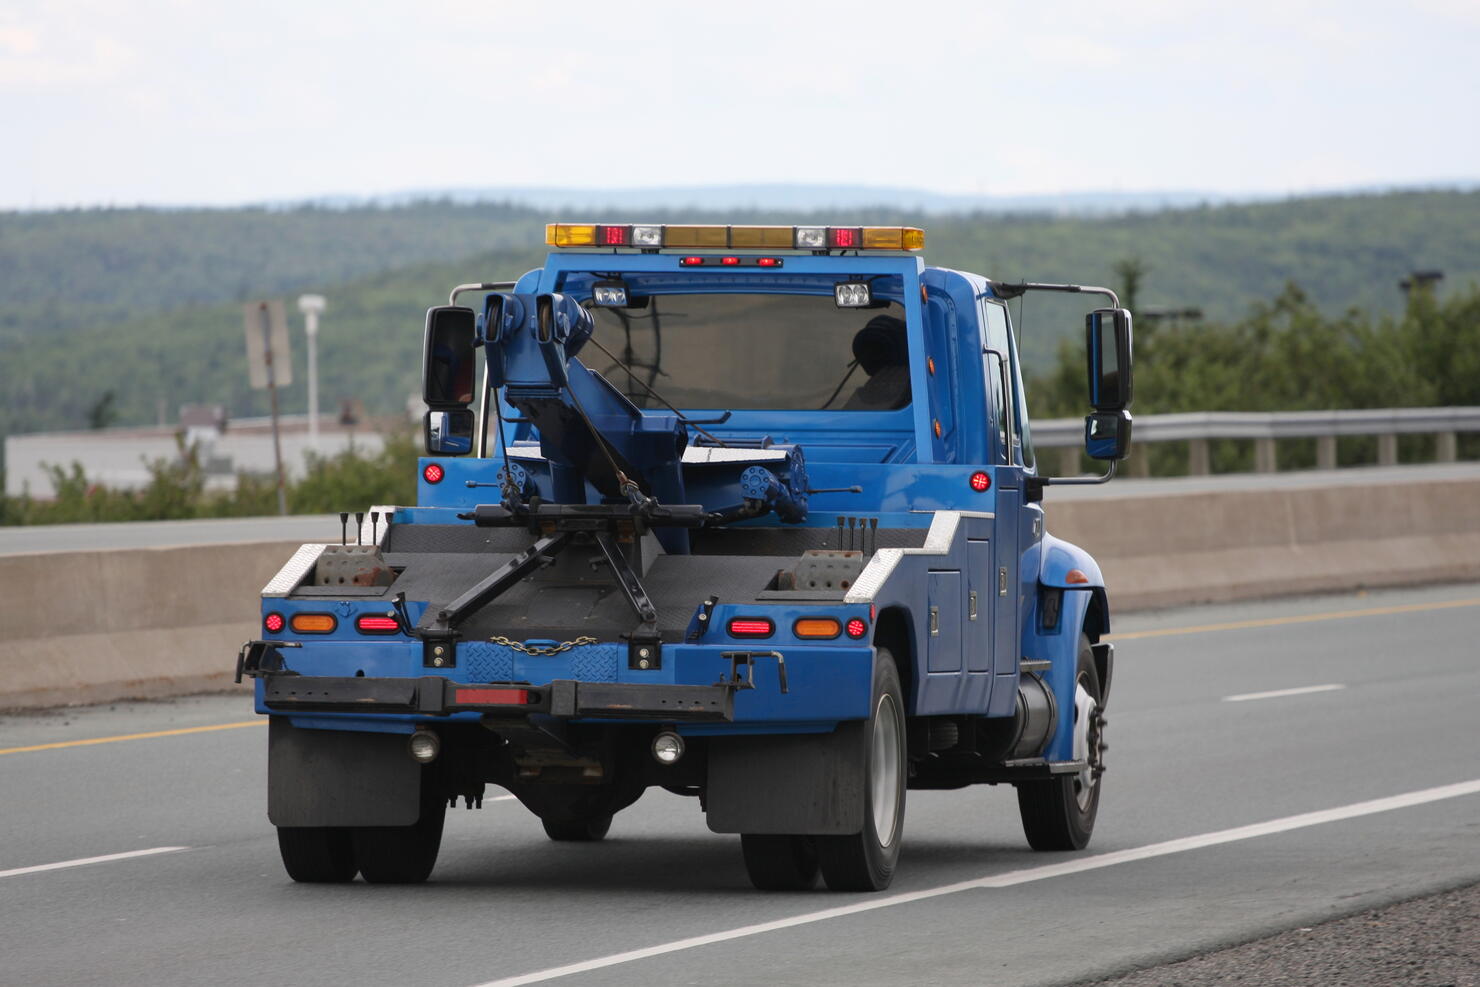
274, 623
980, 481
613, 236
729, 261
503, 697
433, 473
846, 237
377, 625
767, 262
857, 628
751, 627
690, 261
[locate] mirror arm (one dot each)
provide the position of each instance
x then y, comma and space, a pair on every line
1035, 484
479, 286
1012, 289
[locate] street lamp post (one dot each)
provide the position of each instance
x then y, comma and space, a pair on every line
312, 306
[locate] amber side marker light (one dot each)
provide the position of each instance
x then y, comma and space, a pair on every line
313, 623
1076, 577
826, 627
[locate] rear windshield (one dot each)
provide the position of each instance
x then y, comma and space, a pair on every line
790, 352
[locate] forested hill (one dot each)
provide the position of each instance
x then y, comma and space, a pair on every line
149, 296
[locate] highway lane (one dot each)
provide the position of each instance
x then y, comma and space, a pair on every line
504, 901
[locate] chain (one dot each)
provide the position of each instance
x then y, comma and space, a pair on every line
538, 651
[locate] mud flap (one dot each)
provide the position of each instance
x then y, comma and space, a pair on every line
800, 783
339, 778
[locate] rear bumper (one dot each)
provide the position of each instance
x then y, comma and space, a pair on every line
434, 695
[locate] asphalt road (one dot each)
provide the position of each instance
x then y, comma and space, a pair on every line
1229, 813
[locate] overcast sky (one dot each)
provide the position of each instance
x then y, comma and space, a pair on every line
167, 101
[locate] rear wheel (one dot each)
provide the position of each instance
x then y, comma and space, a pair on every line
401, 854
1059, 813
780, 863
865, 861
317, 854
588, 829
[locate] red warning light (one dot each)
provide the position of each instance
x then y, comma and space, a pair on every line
274, 623
857, 628
614, 236
751, 627
980, 481
433, 473
848, 238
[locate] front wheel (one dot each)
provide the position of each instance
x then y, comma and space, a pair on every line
401, 854
1059, 813
865, 861
587, 829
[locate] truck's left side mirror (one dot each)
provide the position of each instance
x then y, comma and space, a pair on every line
1107, 434
449, 361
1108, 342
449, 432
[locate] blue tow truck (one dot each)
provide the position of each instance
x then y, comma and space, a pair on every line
750, 513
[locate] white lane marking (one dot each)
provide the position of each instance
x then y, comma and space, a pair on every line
1012, 878
1278, 693
61, 865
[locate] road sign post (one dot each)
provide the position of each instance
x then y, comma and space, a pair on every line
270, 363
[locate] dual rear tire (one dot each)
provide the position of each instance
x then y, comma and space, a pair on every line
862, 861
382, 854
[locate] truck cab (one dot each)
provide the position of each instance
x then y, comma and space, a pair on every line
747, 513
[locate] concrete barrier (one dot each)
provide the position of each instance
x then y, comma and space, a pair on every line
94, 626
90, 627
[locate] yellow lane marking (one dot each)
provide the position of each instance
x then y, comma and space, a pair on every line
1239, 625
133, 736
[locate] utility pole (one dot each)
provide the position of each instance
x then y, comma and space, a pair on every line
312, 306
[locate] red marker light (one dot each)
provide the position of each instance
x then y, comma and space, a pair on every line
433, 473
729, 261
691, 261
980, 481
273, 623
492, 697
377, 625
751, 627
857, 628
767, 262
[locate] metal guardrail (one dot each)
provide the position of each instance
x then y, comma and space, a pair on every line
1265, 428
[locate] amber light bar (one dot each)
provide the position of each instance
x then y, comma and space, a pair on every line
735, 237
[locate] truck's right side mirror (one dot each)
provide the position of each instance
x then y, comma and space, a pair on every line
1108, 343
449, 365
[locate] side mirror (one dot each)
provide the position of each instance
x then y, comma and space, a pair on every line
449, 362
1107, 434
449, 433
1108, 343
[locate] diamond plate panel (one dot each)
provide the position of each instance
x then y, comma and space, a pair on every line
486, 661
595, 662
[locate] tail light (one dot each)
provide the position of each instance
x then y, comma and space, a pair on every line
373, 624
857, 628
274, 623
751, 627
433, 473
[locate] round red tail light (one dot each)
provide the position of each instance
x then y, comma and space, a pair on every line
857, 628
433, 473
981, 481
274, 623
